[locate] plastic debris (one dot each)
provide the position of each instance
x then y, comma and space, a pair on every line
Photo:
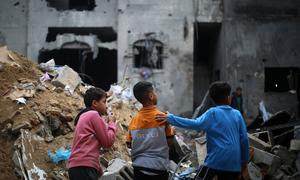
21, 100
262, 108
60, 155
45, 77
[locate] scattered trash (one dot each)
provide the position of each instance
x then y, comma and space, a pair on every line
262, 108
45, 77
60, 155
21, 101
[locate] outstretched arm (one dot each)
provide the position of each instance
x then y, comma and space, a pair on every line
200, 123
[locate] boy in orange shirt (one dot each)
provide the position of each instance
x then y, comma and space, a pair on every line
148, 138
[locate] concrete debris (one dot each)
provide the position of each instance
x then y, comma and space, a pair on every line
201, 149
271, 160
180, 147
256, 142
22, 125
118, 169
254, 172
25, 151
5, 57
67, 78
286, 156
21, 94
48, 66
295, 145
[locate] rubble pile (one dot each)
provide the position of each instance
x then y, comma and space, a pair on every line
37, 109
275, 148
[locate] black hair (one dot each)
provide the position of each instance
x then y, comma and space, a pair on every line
93, 94
219, 91
141, 91
90, 95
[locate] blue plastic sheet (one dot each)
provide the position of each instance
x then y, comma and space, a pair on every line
60, 155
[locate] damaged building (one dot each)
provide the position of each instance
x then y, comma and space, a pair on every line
181, 46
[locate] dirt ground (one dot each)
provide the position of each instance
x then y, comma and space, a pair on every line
6, 163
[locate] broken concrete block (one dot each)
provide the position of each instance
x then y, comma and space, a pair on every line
25, 146
22, 125
259, 144
254, 172
21, 93
266, 158
201, 149
286, 156
40, 116
48, 66
67, 78
295, 145
118, 169
181, 148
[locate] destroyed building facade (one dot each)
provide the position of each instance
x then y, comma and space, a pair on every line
179, 45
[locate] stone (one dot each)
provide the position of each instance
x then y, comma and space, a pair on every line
201, 149
295, 145
181, 148
22, 125
286, 156
254, 172
17, 93
118, 169
67, 79
266, 158
259, 144
1, 68
68, 117
58, 90
40, 116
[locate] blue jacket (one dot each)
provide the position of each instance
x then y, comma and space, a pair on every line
226, 134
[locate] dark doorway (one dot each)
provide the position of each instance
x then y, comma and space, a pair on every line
206, 39
100, 72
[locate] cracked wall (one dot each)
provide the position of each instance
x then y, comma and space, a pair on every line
259, 34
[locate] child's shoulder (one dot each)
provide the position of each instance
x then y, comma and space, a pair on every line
91, 115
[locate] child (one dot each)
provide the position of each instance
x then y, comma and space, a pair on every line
91, 133
148, 138
227, 141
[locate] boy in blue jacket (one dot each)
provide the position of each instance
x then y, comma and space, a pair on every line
226, 134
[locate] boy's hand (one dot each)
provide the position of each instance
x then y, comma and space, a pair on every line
112, 118
161, 117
